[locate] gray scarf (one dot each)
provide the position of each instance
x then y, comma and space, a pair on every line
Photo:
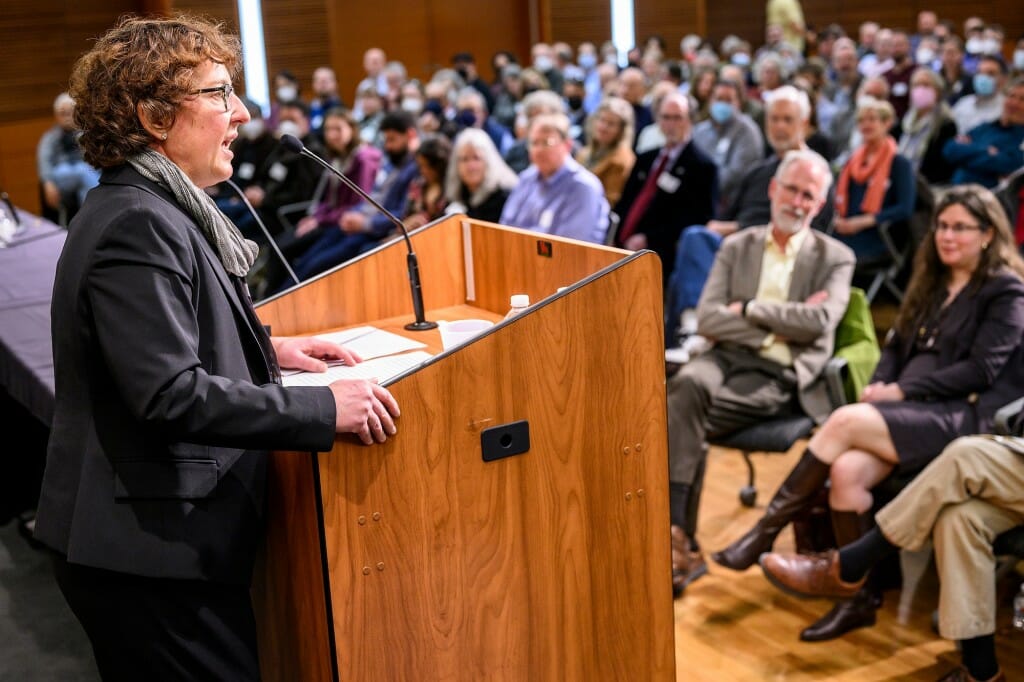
236, 253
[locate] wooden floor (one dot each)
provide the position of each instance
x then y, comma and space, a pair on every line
735, 626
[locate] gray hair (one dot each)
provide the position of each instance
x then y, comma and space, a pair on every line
62, 99
788, 93
471, 93
542, 102
497, 174
818, 165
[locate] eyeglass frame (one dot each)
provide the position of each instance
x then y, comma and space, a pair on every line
225, 90
958, 228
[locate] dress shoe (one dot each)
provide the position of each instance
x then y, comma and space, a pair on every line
960, 674
808, 576
845, 616
687, 564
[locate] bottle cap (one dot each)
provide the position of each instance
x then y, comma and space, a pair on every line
520, 301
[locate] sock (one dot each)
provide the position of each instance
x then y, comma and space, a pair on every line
678, 500
857, 558
979, 656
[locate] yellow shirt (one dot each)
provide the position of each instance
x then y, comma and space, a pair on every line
785, 13
776, 273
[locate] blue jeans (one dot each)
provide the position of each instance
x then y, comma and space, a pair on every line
695, 254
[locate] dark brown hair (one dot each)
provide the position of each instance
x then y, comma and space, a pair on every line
345, 115
147, 63
930, 276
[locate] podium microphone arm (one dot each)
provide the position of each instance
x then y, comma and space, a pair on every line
266, 232
295, 145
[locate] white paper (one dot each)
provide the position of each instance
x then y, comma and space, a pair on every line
380, 369
371, 342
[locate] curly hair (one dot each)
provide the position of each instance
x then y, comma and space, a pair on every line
927, 288
147, 63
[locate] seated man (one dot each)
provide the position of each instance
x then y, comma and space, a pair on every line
668, 189
992, 150
66, 177
556, 195
966, 497
772, 304
786, 116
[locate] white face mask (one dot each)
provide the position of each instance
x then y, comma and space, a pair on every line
288, 128
412, 104
287, 93
924, 56
252, 129
1018, 60
975, 45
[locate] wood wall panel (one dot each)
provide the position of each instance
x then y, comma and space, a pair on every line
576, 21
669, 19
297, 38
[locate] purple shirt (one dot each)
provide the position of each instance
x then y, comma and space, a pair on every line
570, 203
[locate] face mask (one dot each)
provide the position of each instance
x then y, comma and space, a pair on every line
975, 45
252, 129
721, 111
412, 105
984, 84
922, 97
1018, 60
925, 56
575, 102
991, 46
463, 73
587, 61
465, 118
287, 93
741, 59
288, 128
543, 63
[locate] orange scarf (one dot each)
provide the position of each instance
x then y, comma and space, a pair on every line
876, 176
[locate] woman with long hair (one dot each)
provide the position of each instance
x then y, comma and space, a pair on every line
608, 153
952, 359
478, 181
426, 198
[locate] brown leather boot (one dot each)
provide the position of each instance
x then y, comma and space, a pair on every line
687, 564
806, 478
808, 576
849, 526
845, 616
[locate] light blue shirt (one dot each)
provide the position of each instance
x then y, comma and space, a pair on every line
570, 203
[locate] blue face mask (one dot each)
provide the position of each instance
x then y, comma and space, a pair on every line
588, 61
984, 84
741, 59
721, 111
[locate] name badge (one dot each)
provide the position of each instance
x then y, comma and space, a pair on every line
722, 148
899, 89
278, 171
547, 217
668, 182
246, 171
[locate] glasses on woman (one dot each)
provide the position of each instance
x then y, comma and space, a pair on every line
956, 228
225, 90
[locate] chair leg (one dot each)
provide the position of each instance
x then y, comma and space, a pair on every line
873, 288
748, 493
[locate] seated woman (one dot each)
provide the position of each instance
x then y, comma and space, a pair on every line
927, 127
608, 153
427, 199
479, 181
953, 358
875, 186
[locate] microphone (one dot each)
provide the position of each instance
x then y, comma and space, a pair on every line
266, 232
294, 144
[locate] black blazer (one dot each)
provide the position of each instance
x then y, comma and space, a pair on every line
165, 396
980, 351
693, 203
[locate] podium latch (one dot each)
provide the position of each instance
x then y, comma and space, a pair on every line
506, 440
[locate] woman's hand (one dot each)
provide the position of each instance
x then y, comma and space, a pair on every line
305, 226
415, 220
879, 392
309, 353
853, 225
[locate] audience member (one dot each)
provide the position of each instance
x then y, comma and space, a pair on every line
251, 149
651, 137
668, 188
773, 334
769, 73
369, 112
985, 104
790, 16
926, 23
958, 82
729, 138
374, 60
837, 104
465, 65
875, 186
479, 181
701, 83
537, 103
507, 101
325, 97
573, 94
874, 87
286, 89
64, 174
953, 358
608, 153
426, 200
472, 113
927, 127
556, 195
993, 150
880, 60
898, 76
962, 500
634, 90
543, 61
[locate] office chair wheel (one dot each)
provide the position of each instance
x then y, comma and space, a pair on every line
748, 495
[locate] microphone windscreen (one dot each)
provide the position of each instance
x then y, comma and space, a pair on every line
292, 143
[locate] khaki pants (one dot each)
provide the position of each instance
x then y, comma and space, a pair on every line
967, 496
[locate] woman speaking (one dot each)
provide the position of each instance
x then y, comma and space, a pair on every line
167, 386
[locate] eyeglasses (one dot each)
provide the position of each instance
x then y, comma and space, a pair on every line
225, 90
793, 190
545, 142
957, 228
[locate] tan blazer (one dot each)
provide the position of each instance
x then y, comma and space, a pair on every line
613, 170
823, 264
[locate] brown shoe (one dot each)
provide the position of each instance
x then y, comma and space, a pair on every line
687, 565
960, 674
808, 576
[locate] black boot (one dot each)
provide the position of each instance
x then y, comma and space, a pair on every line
845, 616
806, 478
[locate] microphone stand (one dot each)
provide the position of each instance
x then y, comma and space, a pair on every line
266, 232
294, 144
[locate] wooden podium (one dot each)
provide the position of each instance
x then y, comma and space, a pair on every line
417, 559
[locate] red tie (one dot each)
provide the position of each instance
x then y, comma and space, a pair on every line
643, 199
1019, 231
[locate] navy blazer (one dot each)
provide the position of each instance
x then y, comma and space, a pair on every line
166, 402
980, 351
693, 203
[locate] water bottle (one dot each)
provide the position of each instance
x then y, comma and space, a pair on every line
519, 303
1018, 609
